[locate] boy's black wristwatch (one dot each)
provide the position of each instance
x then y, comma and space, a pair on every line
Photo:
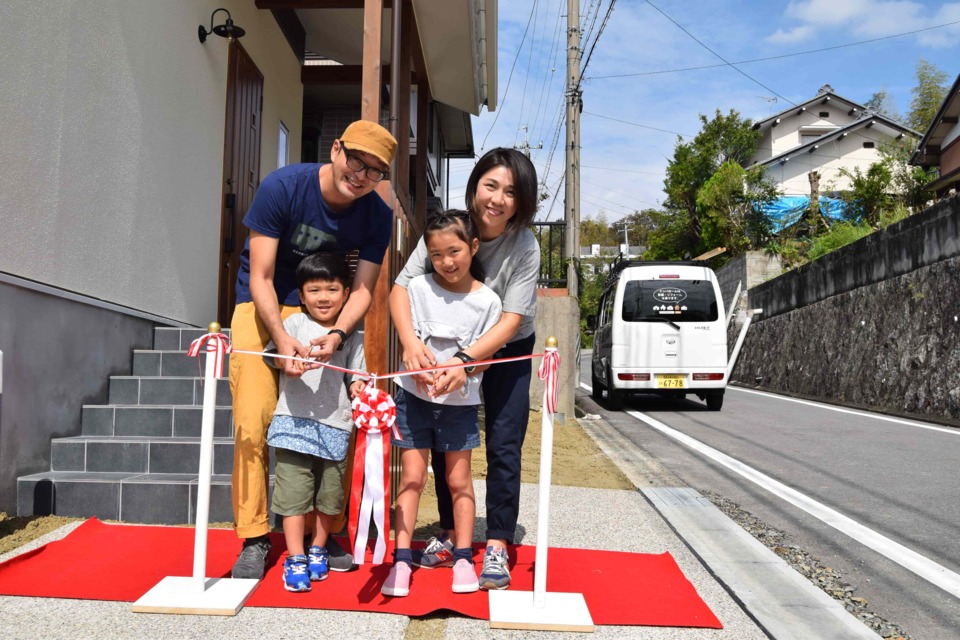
343, 337
466, 360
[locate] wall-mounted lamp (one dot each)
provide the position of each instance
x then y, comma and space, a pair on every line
225, 30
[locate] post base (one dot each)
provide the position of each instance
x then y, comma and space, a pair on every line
561, 612
220, 596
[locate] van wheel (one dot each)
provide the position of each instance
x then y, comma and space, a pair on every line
715, 400
614, 397
597, 391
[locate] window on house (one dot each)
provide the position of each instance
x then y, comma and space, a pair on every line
869, 145
824, 114
283, 151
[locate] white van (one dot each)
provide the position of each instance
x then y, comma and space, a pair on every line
661, 329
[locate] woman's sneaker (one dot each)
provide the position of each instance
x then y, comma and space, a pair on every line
317, 564
464, 577
295, 576
398, 582
496, 572
437, 553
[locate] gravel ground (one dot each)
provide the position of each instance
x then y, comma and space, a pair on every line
828, 579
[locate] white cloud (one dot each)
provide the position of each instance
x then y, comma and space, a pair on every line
797, 34
866, 19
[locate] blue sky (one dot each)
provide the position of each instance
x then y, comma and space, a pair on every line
630, 123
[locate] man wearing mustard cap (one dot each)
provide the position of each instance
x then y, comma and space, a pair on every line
298, 210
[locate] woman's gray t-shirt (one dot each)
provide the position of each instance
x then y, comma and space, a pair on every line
511, 262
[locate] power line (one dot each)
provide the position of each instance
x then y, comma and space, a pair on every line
649, 173
785, 55
698, 41
635, 124
593, 46
510, 77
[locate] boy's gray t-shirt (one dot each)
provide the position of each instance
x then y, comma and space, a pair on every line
448, 322
512, 264
320, 394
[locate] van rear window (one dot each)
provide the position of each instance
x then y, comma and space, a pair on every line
675, 300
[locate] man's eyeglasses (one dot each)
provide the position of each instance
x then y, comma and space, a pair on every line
357, 165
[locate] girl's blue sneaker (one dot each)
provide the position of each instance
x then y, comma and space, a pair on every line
317, 563
295, 576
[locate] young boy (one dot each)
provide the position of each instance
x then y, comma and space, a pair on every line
311, 426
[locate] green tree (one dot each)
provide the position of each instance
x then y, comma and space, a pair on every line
724, 138
596, 230
928, 95
731, 208
882, 103
869, 193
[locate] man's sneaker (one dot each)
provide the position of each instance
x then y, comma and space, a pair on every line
437, 553
252, 560
295, 575
337, 558
495, 573
398, 582
317, 564
464, 577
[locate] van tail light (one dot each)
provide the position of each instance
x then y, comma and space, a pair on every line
662, 276
708, 376
633, 376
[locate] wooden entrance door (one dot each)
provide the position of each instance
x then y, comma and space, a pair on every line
241, 168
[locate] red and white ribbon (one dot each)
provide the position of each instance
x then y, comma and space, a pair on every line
375, 415
548, 373
218, 345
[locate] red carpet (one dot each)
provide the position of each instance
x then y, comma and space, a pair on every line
98, 561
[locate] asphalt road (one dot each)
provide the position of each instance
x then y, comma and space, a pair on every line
891, 488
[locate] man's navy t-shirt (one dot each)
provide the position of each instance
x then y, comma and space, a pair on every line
289, 206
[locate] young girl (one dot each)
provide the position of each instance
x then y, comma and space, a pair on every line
450, 309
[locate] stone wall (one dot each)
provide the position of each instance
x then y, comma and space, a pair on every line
890, 344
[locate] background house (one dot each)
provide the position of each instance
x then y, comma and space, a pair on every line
825, 134
131, 152
940, 146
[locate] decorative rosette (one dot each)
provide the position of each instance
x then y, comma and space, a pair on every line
375, 415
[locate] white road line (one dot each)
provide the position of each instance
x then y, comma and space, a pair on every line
907, 558
865, 414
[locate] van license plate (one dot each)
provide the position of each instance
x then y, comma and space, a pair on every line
671, 381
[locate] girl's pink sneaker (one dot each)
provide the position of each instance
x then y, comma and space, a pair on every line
464, 577
398, 582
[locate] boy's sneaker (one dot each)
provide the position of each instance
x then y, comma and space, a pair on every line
437, 553
252, 559
295, 575
496, 572
464, 577
337, 558
317, 564
398, 582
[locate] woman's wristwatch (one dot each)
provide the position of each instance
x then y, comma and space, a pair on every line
466, 360
343, 337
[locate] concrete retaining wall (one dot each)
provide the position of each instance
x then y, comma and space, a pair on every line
874, 325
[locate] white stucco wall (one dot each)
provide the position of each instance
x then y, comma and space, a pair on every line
786, 135
111, 144
791, 176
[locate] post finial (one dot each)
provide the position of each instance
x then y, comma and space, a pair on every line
552, 342
213, 327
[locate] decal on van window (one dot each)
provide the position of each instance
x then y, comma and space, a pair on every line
647, 300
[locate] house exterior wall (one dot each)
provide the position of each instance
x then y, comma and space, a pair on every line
113, 119
848, 152
950, 151
786, 135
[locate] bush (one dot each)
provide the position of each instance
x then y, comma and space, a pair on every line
840, 234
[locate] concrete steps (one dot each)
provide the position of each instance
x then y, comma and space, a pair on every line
137, 457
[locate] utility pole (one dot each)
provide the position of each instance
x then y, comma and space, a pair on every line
572, 190
525, 147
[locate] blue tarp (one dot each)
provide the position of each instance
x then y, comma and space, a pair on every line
787, 210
